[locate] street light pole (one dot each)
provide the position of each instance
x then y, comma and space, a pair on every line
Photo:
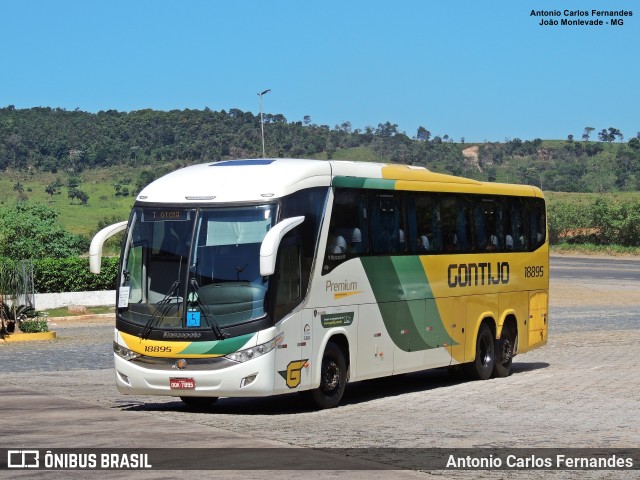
264, 92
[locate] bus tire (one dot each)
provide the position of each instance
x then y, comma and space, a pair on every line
199, 403
482, 367
333, 379
504, 353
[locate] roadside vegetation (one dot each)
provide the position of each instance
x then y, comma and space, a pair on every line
66, 174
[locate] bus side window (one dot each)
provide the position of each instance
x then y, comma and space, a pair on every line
288, 289
387, 229
412, 235
514, 226
488, 224
463, 224
480, 227
537, 222
448, 214
426, 215
348, 232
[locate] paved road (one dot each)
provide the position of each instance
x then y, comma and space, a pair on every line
61, 394
597, 269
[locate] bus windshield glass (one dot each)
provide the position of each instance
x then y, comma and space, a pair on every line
194, 268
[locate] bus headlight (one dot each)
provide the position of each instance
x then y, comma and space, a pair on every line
254, 352
124, 352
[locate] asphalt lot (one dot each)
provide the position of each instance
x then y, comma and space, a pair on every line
579, 391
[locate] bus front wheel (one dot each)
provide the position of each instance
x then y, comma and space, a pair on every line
333, 379
482, 367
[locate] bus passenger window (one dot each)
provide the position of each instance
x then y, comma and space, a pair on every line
424, 222
537, 223
488, 224
347, 228
514, 227
387, 227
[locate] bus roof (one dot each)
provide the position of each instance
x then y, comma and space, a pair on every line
265, 178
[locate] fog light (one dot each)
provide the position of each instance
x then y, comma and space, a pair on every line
246, 381
124, 378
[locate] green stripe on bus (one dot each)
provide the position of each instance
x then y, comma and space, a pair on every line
375, 183
218, 347
406, 303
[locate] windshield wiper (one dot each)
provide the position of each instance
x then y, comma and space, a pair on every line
161, 310
210, 321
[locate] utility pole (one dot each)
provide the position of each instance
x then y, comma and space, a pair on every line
264, 92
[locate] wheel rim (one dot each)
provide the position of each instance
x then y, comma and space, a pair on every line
330, 376
506, 353
486, 353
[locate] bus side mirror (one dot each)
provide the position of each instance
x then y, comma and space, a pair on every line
95, 250
271, 242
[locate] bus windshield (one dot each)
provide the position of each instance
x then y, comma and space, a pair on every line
194, 268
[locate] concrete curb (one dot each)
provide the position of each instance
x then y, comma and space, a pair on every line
29, 337
88, 316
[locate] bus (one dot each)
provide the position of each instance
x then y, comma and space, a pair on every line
249, 278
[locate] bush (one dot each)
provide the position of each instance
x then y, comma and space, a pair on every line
31, 231
73, 275
52, 275
33, 325
603, 220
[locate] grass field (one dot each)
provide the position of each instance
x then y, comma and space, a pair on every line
76, 218
103, 203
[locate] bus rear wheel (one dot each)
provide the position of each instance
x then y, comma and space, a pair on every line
199, 403
482, 367
504, 353
333, 379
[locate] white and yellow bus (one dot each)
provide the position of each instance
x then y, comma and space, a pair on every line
260, 277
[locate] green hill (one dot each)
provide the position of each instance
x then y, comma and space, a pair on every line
90, 166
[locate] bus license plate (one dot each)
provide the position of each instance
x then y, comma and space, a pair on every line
182, 383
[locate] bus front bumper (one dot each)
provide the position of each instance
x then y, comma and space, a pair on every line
252, 378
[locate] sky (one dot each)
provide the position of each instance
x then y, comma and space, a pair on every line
482, 70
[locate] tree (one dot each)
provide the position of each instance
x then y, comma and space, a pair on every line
73, 182
51, 190
587, 132
603, 135
15, 142
610, 135
76, 193
387, 129
32, 231
423, 134
82, 196
18, 187
11, 281
344, 127
615, 133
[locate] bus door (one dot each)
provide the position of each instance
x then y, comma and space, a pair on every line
409, 325
375, 347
